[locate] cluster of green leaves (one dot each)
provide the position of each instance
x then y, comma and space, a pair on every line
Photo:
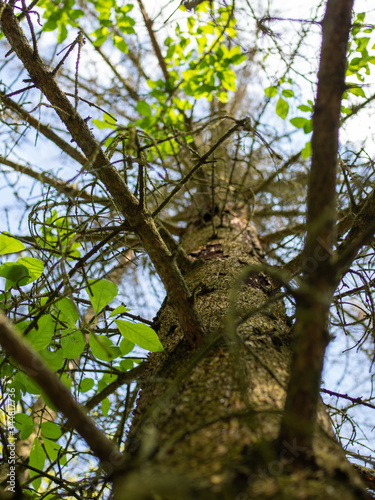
282, 105
209, 63
282, 109
56, 232
22, 272
49, 432
62, 14
59, 15
359, 61
359, 58
199, 62
109, 14
59, 337
199, 66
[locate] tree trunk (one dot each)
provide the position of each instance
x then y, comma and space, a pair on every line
207, 420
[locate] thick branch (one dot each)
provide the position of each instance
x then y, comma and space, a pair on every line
311, 333
128, 205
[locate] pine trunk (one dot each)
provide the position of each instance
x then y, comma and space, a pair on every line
207, 419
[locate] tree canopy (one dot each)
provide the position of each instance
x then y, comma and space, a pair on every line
123, 125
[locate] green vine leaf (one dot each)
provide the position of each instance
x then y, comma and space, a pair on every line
25, 424
50, 430
282, 108
270, 91
41, 336
37, 460
9, 244
140, 334
86, 385
101, 293
103, 348
72, 343
67, 312
16, 275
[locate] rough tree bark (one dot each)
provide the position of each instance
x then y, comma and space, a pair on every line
207, 419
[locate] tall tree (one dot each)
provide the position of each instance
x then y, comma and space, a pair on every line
183, 183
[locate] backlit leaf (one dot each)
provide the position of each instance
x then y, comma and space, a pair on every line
282, 108
103, 348
140, 334
8, 244
101, 293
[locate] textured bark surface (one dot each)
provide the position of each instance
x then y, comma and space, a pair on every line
206, 419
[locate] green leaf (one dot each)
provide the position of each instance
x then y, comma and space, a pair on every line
37, 459
228, 79
222, 96
101, 293
103, 348
107, 378
288, 93
8, 244
282, 108
86, 384
25, 424
126, 364
306, 151
152, 84
72, 343
26, 383
307, 128
54, 359
126, 346
298, 122
270, 91
119, 310
361, 17
50, 430
357, 91
140, 334
15, 274
52, 449
304, 107
107, 122
121, 44
67, 310
143, 108
41, 336
105, 406
34, 266
63, 33
345, 110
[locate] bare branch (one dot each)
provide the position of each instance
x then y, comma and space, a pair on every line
61, 187
43, 129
